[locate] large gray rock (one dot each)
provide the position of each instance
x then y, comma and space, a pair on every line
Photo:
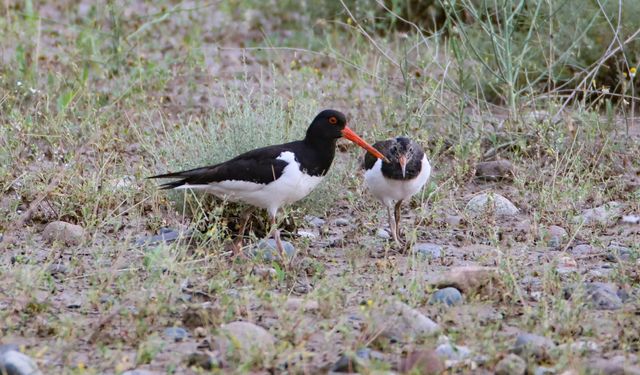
12, 362
61, 231
491, 203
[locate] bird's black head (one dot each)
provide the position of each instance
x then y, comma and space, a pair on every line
402, 152
328, 126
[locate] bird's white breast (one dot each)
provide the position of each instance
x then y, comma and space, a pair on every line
388, 190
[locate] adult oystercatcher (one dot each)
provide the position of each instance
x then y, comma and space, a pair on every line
273, 176
405, 173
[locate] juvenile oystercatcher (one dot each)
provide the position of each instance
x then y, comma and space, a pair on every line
273, 176
405, 173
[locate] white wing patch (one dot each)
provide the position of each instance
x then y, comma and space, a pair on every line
290, 187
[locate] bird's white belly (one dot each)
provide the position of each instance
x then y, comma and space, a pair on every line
290, 187
388, 190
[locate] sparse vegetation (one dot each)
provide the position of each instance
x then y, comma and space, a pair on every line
94, 99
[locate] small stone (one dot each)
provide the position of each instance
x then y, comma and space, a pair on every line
541, 370
206, 361
57, 269
617, 252
611, 366
12, 362
341, 222
448, 296
354, 362
491, 203
266, 250
67, 233
453, 220
554, 235
468, 279
200, 332
399, 322
140, 372
425, 362
528, 344
314, 220
427, 250
581, 346
265, 272
603, 296
453, 352
246, 338
296, 304
166, 235
307, 234
176, 333
602, 215
582, 250
382, 233
494, 170
511, 365
567, 265
630, 219
123, 183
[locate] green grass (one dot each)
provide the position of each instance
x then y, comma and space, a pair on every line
95, 99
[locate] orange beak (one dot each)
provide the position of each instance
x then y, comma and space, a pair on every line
353, 137
402, 159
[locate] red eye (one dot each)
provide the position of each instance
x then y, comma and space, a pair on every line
333, 120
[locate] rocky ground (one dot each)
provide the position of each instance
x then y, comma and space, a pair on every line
523, 251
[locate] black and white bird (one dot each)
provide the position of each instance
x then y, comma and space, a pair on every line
399, 178
273, 176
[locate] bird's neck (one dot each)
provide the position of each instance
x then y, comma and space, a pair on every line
322, 151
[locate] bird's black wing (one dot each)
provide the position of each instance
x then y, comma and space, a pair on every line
383, 147
260, 166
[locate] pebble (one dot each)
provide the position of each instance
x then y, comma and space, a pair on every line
355, 362
494, 170
307, 234
453, 220
314, 220
139, 372
382, 233
603, 215
61, 231
554, 235
176, 333
266, 250
582, 250
617, 252
166, 235
203, 360
424, 362
341, 222
567, 265
244, 337
467, 279
541, 370
511, 365
603, 296
400, 323
528, 344
611, 367
491, 202
453, 352
296, 304
449, 296
13, 362
427, 250
57, 269
630, 219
